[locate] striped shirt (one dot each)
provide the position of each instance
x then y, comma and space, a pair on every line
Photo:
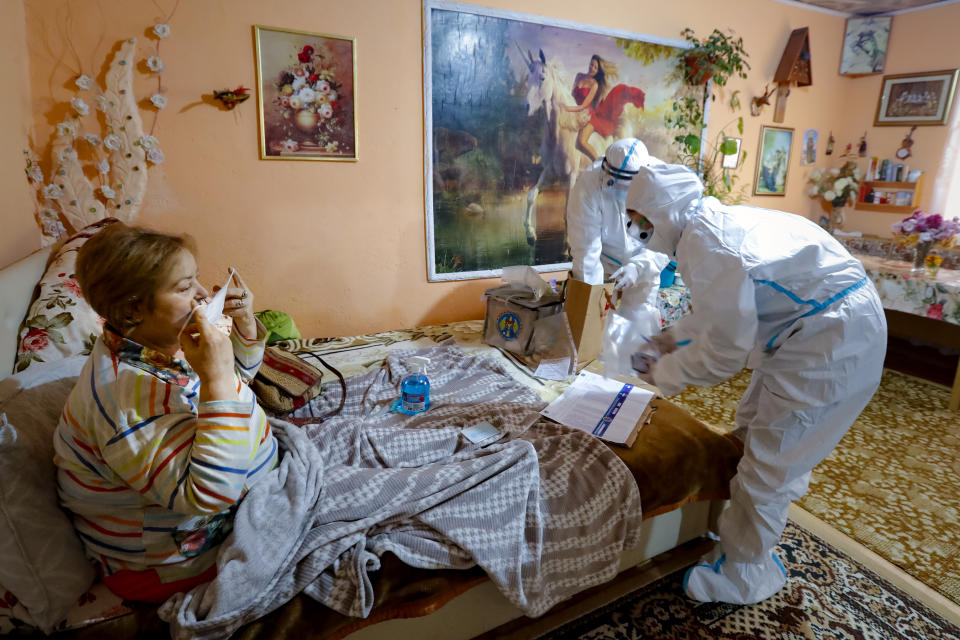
150, 473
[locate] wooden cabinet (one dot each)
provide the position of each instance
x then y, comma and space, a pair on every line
891, 189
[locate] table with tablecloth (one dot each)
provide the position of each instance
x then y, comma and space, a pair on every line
918, 293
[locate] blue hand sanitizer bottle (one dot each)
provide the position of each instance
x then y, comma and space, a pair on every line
415, 388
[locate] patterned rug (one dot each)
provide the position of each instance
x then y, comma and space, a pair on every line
828, 596
893, 483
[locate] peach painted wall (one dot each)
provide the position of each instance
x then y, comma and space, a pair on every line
341, 246
19, 235
919, 41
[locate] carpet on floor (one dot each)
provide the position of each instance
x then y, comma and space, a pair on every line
827, 596
892, 483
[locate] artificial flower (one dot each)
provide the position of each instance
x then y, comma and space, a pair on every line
289, 145
837, 185
84, 82
307, 95
53, 228
147, 142
927, 227
296, 102
35, 173
161, 30
67, 128
108, 192
158, 100
52, 191
66, 155
112, 142
101, 102
103, 166
155, 64
93, 139
323, 87
80, 106
325, 111
155, 155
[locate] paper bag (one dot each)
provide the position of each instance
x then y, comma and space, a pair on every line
586, 307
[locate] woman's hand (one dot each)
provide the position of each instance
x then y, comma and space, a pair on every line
239, 306
210, 353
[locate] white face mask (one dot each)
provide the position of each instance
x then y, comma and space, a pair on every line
620, 189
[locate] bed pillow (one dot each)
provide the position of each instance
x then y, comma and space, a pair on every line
42, 561
60, 323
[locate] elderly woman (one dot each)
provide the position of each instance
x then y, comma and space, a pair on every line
161, 437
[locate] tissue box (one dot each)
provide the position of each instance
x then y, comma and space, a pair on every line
511, 315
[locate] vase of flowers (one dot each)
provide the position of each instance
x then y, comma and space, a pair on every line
837, 187
926, 231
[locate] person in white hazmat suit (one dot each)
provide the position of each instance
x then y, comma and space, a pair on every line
601, 240
777, 288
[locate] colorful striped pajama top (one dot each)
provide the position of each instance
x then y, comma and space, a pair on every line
150, 474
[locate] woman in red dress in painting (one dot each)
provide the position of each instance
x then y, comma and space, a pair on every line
591, 92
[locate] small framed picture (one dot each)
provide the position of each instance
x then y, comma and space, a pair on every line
306, 95
732, 160
773, 161
865, 45
808, 152
916, 98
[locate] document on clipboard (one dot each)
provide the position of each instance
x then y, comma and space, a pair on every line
609, 409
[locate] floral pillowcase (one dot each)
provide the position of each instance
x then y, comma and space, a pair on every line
60, 323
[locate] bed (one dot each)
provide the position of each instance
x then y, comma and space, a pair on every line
697, 458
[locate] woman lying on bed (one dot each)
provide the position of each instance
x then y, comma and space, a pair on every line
161, 437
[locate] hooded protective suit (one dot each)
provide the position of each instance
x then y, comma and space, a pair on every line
775, 287
597, 227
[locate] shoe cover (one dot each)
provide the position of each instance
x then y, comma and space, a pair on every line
734, 582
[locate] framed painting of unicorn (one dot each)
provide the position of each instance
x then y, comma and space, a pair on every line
515, 106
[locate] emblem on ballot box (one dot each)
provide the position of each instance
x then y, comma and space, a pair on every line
508, 325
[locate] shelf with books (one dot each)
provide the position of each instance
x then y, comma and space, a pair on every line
890, 197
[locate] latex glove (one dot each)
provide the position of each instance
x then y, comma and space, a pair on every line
665, 342
626, 276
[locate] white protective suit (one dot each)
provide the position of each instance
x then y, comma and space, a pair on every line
597, 227
778, 288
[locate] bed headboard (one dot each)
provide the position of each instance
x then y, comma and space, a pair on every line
17, 284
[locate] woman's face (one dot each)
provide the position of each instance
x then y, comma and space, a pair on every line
594, 67
172, 304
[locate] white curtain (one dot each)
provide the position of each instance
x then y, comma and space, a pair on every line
946, 189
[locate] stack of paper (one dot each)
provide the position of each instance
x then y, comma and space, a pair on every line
611, 410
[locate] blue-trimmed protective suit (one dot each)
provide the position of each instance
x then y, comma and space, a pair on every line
776, 289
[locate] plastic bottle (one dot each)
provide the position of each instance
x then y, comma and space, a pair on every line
415, 388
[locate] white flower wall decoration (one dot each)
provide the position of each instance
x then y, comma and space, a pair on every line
118, 154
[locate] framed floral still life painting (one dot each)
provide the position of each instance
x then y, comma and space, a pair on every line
306, 88
865, 45
773, 161
916, 98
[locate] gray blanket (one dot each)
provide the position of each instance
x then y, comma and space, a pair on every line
545, 510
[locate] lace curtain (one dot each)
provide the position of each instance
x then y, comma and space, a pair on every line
946, 188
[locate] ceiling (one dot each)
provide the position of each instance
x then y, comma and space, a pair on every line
866, 7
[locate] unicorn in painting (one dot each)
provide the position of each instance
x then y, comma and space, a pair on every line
560, 160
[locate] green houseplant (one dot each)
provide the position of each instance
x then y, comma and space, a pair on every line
716, 57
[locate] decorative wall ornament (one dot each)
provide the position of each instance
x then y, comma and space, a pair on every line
773, 161
118, 156
230, 98
865, 42
916, 98
514, 110
307, 95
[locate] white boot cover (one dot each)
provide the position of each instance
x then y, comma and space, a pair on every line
735, 582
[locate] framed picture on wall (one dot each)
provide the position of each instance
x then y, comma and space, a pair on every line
916, 98
306, 95
808, 150
865, 45
511, 120
773, 161
731, 160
